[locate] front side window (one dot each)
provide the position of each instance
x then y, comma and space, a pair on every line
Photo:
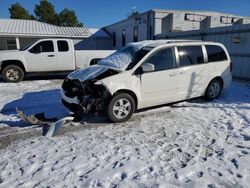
190, 55
215, 53
62, 46
44, 46
138, 56
163, 59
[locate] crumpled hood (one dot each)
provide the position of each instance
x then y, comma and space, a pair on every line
88, 73
117, 60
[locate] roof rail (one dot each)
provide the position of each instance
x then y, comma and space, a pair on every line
184, 40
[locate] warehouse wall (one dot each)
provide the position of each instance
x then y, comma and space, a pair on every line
93, 43
23, 41
236, 39
143, 23
2, 43
26, 41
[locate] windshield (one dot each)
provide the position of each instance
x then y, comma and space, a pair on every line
125, 58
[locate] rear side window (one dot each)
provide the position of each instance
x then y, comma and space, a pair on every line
163, 59
190, 55
215, 53
62, 46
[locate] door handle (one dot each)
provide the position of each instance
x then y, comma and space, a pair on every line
51, 55
182, 72
173, 74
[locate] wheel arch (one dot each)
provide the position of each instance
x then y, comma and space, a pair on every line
131, 93
13, 62
206, 93
217, 78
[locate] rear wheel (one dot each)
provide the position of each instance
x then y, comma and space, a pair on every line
13, 73
121, 107
213, 90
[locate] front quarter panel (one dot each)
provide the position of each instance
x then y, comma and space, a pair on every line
123, 81
13, 56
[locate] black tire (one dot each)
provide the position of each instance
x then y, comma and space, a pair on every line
213, 90
113, 112
13, 73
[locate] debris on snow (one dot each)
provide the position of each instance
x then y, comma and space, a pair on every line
188, 144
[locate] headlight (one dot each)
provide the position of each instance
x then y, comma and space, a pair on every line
98, 83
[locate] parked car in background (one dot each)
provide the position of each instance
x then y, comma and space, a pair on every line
147, 74
46, 55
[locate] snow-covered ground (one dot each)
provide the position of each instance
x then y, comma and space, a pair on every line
188, 144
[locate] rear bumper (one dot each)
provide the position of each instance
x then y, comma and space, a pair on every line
227, 81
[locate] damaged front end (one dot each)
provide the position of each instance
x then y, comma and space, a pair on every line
82, 97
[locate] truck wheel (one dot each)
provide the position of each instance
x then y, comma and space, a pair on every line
13, 73
213, 90
121, 108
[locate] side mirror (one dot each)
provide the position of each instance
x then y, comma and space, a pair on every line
148, 67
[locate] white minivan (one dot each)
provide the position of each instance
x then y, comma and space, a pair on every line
146, 74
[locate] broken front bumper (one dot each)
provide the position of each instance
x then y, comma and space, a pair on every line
72, 107
84, 97
71, 104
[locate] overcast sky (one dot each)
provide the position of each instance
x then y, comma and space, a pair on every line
99, 13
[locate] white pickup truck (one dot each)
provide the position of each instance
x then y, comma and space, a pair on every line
46, 55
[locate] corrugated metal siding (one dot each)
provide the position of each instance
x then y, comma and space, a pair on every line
35, 28
239, 52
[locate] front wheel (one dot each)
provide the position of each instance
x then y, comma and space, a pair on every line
121, 107
13, 73
213, 90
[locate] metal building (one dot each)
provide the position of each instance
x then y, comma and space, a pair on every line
231, 30
147, 25
17, 33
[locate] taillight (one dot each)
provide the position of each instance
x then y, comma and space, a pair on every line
231, 66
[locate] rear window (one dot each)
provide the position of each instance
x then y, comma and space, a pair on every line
215, 53
190, 55
62, 46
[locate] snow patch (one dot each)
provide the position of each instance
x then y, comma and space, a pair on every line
187, 144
